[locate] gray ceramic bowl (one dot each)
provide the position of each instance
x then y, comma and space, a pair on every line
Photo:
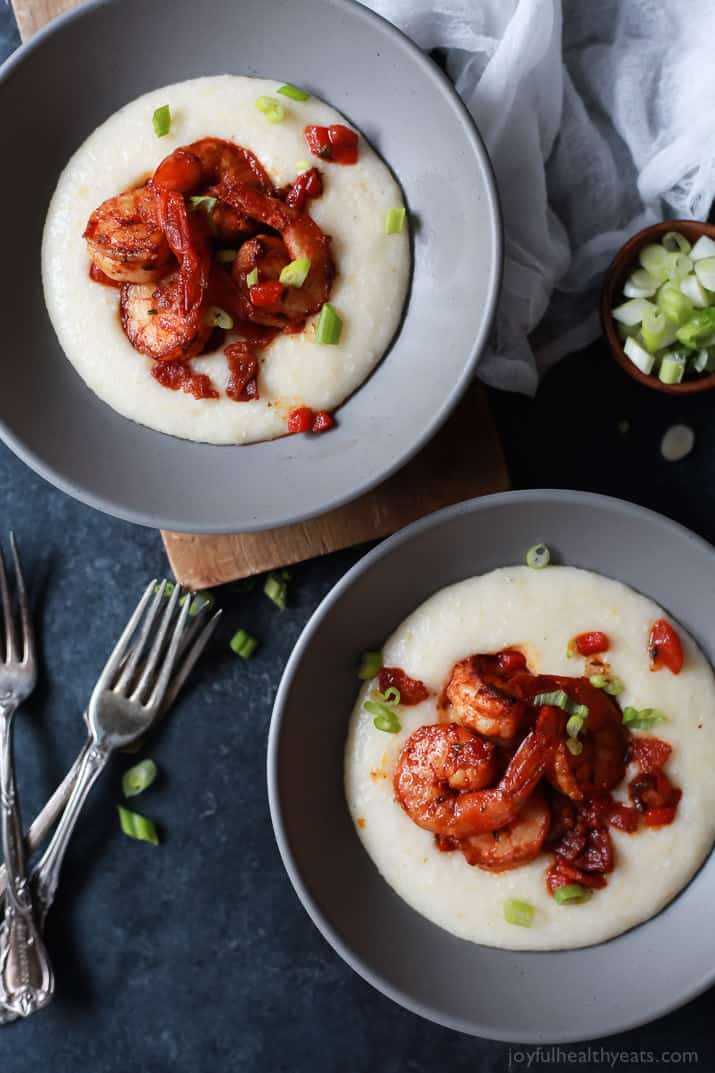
89, 63
521, 997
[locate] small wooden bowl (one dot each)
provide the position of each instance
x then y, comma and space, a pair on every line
620, 268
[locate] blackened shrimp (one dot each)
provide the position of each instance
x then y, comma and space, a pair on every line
518, 843
486, 697
428, 764
301, 236
156, 324
125, 240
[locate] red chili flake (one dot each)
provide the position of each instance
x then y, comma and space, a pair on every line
412, 690
664, 648
242, 385
266, 294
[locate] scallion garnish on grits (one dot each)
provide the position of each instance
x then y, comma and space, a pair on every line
667, 323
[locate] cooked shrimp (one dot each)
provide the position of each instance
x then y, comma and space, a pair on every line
188, 241
199, 168
601, 764
155, 323
429, 764
125, 240
486, 698
517, 843
269, 255
302, 238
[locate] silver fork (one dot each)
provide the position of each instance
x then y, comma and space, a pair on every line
193, 642
26, 979
124, 703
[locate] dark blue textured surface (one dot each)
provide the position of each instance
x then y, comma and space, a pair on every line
197, 956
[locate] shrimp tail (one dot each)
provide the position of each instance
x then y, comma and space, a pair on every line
187, 242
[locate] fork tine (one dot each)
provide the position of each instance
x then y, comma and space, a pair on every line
28, 642
120, 648
189, 655
7, 612
153, 658
169, 661
122, 683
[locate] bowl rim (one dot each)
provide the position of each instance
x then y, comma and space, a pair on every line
310, 905
106, 502
623, 257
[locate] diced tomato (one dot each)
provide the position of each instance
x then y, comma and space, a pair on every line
322, 421
308, 184
412, 690
266, 294
178, 376
300, 420
653, 791
592, 642
624, 817
664, 647
510, 660
650, 754
336, 143
659, 817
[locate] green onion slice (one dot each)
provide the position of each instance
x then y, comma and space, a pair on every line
674, 242
276, 589
382, 706
272, 110
391, 695
243, 644
611, 684
138, 827
296, 273
574, 725
518, 912
704, 247
571, 894
574, 746
302, 165
252, 278
161, 121
655, 260
203, 201
370, 665
387, 721
219, 318
672, 369
329, 327
557, 699
395, 221
138, 778
638, 354
294, 93
227, 256
645, 719
168, 587
538, 556
201, 599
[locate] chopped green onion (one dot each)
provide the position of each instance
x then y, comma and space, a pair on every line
657, 332
168, 587
161, 121
296, 273
645, 719
705, 272
574, 746
243, 644
631, 313
611, 684
673, 304
302, 165
675, 242
387, 721
640, 284
704, 247
219, 318
655, 260
370, 665
294, 93
557, 699
203, 201
538, 556
518, 912
704, 361
227, 256
138, 778
272, 110
391, 695
201, 599
276, 589
680, 266
329, 327
640, 357
138, 827
395, 221
694, 291
571, 894
672, 369
252, 278
574, 725
382, 706
572, 649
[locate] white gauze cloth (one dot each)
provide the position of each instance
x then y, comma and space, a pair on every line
598, 116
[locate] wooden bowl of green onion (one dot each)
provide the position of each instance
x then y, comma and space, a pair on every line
658, 306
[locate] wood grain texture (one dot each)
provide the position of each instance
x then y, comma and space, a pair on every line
464, 460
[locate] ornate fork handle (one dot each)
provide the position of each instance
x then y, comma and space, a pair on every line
46, 875
26, 978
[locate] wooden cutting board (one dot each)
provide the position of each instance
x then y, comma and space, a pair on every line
465, 459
